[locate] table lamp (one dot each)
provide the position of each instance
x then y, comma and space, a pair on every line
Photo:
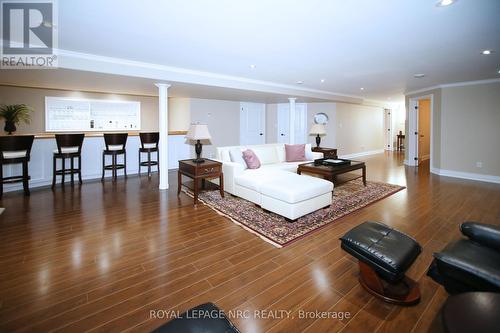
196, 133
317, 129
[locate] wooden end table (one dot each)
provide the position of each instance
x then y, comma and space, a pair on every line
209, 169
330, 172
327, 152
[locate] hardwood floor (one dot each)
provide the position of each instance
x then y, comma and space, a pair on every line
101, 257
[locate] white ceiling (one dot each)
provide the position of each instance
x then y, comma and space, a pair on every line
377, 45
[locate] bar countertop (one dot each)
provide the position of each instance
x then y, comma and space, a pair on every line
49, 135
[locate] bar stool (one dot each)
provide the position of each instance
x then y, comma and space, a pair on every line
115, 145
15, 150
149, 144
68, 146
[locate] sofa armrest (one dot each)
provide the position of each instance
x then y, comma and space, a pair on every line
230, 171
317, 155
484, 234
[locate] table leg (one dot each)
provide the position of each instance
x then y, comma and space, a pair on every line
179, 184
364, 175
221, 185
203, 183
196, 188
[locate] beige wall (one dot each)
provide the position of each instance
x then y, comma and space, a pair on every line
223, 120
424, 128
179, 114
35, 98
359, 128
465, 131
470, 128
271, 123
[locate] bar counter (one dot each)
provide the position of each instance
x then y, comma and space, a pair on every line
40, 165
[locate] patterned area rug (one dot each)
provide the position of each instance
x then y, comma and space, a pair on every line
274, 229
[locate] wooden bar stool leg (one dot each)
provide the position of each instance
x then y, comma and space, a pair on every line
114, 167
63, 169
103, 165
1, 180
72, 171
139, 163
80, 169
54, 170
125, 163
149, 164
25, 177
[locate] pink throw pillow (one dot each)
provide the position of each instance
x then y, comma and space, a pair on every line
295, 153
251, 159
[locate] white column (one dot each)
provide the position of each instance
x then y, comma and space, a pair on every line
291, 132
163, 125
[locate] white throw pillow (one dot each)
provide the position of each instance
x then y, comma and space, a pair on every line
266, 155
237, 156
309, 153
280, 150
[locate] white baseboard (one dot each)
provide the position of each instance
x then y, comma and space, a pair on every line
466, 175
365, 153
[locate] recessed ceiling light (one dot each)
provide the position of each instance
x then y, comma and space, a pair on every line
253, 66
299, 82
361, 88
322, 80
444, 3
418, 75
498, 71
486, 52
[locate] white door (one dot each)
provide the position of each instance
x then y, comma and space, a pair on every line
300, 127
389, 138
252, 123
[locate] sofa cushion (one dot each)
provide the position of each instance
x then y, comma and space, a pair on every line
295, 153
292, 188
308, 152
254, 178
251, 159
236, 155
266, 155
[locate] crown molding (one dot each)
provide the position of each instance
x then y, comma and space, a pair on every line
450, 85
118, 66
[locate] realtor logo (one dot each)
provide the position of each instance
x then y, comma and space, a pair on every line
29, 34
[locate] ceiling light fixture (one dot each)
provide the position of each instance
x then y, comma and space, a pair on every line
498, 71
299, 82
322, 80
444, 3
253, 66
418, 75
361, 88
487, 52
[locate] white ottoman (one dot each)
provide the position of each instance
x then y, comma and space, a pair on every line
292, 195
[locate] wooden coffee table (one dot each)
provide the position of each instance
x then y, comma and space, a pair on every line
330, 172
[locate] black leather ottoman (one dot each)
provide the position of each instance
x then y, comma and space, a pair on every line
204, 318
384, 255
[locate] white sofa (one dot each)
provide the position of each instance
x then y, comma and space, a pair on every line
275, 186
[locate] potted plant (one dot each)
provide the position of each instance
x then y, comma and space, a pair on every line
14, 114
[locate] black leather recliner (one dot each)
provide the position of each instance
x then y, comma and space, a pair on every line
472, 263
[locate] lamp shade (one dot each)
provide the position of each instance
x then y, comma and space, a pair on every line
198, 132
317, 129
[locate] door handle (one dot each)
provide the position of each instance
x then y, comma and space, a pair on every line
282, 134
261, 134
